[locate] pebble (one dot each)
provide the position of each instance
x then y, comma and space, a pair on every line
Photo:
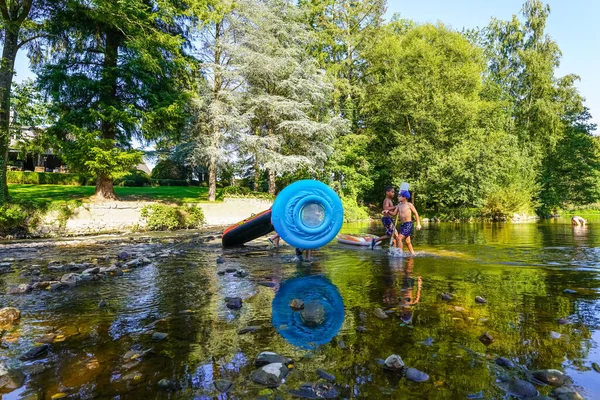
248, 329
486, 339
267, 283
552, 377
220, 260
325, 375
223, 385
446, 296
518, 388
230, 270
566, 393
102, 304
563, 321
379, 313
159, 336
555, 335
271, 375
393, 363
480, 300
241, 273
9, 315
415, 375
297, 304
317, 390
35, 352
505, 362
569, 291
268, 357
233, 303
165, 384
596, 367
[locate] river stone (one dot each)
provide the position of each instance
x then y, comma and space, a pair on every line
123, 255
325, 375
271, 375
480, 300
35, 352
486, 339
102, 303
446, 296
165, 384
569, 291
241, 273
267, 283
555, 335
317, 390
596, 367
223, 385
297, 304
57, 286
10, 379
505, 362
230, 270
159, 336
566, 393
21, 289
518, 388
415, 375
563, 321
268, 357
71, 278
313, 314
5, 265
220, 260
552, 377
379, 313
248, 329
9, 315
393, 363
233, 303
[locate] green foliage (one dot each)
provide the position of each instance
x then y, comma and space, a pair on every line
48, 178
12, 216
353, 211
169, 217
242, 191
169, 182
134, 178
168, 169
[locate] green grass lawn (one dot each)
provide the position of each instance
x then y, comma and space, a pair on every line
47, 194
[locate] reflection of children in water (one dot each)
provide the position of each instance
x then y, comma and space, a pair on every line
408, 297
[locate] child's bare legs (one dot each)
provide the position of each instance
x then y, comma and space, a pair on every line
409, 245
400, 238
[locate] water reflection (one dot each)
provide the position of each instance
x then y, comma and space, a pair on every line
326, 315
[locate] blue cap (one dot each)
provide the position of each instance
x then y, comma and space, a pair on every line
405, 193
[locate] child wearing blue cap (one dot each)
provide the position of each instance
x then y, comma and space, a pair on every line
406, 209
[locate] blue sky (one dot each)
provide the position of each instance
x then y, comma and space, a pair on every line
572, 24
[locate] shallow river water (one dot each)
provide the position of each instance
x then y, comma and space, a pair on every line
109, 352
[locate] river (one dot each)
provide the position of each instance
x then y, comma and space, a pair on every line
530, 274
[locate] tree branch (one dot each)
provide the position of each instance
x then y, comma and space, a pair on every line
29, 40
4, 10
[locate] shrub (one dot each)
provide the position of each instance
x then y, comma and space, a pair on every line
242, 191
47, 178
160, 217
12, 216
353, 211
167, 169
134, 178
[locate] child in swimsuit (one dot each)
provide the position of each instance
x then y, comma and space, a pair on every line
386, 220
406, 209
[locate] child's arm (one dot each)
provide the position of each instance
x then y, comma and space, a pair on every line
393, 211
413, 209
387, 206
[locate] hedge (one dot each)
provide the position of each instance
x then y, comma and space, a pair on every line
48, 178
169, 182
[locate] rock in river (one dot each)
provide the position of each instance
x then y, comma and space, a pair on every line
415, 375
35, 352
393, 363
317, 390
518, 388
296, 304
505, 362
313, 314
566, 393
223, 385
552, 377
159, 336
480, 300
9, 315
447, 296
486, 339
271, 375
325, 375
233, 303
268, 357
379, 313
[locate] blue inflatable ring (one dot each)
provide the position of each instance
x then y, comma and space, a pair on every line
307, 214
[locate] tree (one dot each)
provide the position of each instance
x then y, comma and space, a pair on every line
114, 70
216, 103
21, 23
287, 99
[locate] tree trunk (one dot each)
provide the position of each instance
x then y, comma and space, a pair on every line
212, 179
104, 188
256, 175
272, 186
9, 52
104, 182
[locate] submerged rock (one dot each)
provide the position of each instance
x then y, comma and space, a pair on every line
166, 384
505, 362
415, 375
233, 303
297, 304
596, 367
268, 357
313, 314
518, 388
325, 375
447, 296
480, 300
552, 377
566, 393
393, 363
555, 335
9, 315
563, 321
267, 283
220, 260
21, 289
223, 385
317, 390
70, 278
379, 313
10, 379
35, 352
486, 339
159, 336
241, 273
271, 375
248, 329
569, 291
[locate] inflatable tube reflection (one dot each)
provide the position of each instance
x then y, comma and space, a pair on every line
292, 326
